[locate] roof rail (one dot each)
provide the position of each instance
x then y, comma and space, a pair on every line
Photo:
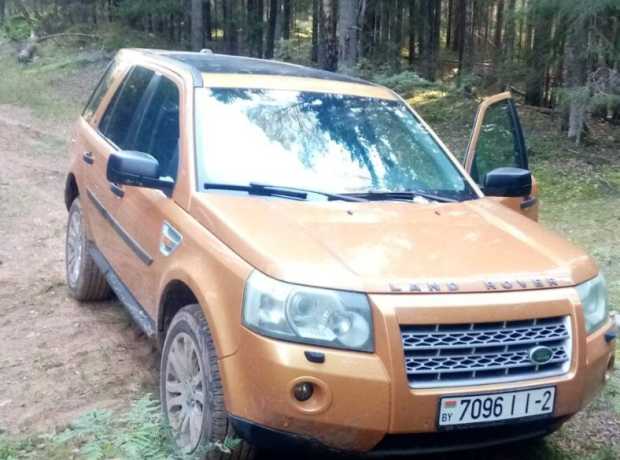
195, 73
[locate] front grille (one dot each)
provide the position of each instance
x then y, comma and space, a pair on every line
478, 353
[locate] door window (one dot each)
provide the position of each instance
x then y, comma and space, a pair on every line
100, 91
115, 124
158, 132
499, 142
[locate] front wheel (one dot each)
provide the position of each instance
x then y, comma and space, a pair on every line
191, 389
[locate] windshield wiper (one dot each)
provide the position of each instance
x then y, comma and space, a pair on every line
255, 188
401, 196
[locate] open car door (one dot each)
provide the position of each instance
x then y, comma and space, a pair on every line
497, 142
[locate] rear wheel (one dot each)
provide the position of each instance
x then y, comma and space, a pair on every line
191, 389
85, 280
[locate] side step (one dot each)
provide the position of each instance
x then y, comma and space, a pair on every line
136, 311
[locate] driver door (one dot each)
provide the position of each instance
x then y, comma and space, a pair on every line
497, 141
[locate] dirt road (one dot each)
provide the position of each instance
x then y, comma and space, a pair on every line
58, 359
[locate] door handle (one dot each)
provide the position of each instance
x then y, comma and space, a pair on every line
118, 191
88, 158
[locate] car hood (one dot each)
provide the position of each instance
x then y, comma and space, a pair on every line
381, 247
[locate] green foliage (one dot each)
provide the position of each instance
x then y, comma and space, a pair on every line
294, 50
135, 435
101, 434
17, 28
405, 83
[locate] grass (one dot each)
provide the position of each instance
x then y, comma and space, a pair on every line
98, 435
49, 85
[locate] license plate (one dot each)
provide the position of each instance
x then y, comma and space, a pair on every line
491, 408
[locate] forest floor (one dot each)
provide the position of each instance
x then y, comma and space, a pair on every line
61, 360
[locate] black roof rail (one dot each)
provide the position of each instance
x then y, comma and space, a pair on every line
197, 80
209, 62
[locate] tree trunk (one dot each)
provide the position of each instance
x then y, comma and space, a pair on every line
206, 14
457, 34
537, 62
230, 27
422, 25
412, 30
197, 25
467, 50
348, 27
316, 9
367, 20
286, 19
576, 75
397, 34
431, 29
450, 16
271, 31
505, 53
499, 26
328, 43
2, 8
254, 27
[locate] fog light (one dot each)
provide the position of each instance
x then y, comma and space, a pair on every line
303, 391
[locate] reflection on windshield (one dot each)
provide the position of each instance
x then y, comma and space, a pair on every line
330, 142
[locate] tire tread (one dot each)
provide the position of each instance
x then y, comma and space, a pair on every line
221, 427
91, 285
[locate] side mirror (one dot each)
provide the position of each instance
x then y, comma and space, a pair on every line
136, 169
508, 182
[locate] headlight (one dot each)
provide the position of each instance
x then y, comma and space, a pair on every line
308, 315
593, 295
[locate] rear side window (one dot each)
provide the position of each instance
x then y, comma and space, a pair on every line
126, 103
158, 133
100, 91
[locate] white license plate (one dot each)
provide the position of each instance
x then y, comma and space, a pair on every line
490, 408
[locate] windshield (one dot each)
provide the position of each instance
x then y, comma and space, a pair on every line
329, 142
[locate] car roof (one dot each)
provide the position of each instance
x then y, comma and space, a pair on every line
208, 69
223, 63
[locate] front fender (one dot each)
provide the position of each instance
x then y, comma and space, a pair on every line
216, 276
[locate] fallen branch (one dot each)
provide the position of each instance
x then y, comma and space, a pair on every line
68, 34
543, 110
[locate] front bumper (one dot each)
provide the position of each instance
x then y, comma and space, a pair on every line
363, 402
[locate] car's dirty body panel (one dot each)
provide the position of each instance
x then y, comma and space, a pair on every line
476, 261
394, 247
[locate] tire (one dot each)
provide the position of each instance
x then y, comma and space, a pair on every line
198, 407
85, 280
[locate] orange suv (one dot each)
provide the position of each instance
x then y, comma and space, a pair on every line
319, 268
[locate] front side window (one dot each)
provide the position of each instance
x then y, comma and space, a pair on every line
123, 107
158, 133
100, 91
328, 142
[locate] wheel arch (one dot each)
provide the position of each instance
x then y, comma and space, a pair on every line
72, 190
180, 289
176, 295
